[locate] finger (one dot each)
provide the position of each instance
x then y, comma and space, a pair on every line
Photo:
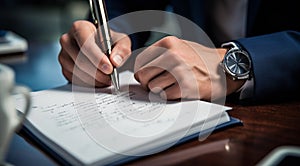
69, 56
82, 76
67, 74
87, 67
155, 50
66, 62
79, 81
68, 67
167, 42
171, 93
84, 34
161, 82
147, 56
70, 76
69, 46
146, 74
121, 50
164, 62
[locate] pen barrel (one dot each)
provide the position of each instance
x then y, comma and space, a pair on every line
100, 14
106, 47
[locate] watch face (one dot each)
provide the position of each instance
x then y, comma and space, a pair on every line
237, 64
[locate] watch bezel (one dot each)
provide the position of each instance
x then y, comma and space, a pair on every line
235, 50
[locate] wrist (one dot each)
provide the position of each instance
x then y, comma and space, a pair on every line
222, 52
233, 85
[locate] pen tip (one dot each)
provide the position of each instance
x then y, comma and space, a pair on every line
115, 80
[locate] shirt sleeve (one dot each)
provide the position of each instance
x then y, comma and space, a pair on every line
247, 90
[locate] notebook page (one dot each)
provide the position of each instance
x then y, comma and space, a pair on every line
93, 125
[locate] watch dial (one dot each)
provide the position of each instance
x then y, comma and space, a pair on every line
238, 63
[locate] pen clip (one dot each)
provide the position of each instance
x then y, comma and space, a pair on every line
99, 15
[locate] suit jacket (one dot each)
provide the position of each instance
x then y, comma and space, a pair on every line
272, 38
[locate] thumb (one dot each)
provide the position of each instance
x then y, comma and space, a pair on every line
121, 51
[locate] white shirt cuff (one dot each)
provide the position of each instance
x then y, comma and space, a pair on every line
247, 90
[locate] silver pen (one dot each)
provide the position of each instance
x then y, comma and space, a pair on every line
100, 18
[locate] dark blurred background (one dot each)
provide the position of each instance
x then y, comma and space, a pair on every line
41, 23
41, 20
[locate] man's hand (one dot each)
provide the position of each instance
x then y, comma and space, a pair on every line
82, 60
176, 68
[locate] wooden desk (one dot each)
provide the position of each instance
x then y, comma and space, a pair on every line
265, 127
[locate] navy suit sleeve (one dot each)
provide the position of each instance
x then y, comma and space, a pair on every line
276, 68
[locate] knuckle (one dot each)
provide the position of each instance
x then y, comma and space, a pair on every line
169, 39
124, 49
76, 25
64, 39
80, 25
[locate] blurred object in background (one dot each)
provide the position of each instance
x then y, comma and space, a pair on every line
12, 47
38, 20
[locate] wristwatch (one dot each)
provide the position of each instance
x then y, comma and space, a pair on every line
236, 62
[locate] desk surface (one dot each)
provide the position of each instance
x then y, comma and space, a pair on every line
265, 127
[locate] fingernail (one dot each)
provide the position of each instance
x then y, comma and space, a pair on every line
156, 89
105, 68
163, 95
118, 60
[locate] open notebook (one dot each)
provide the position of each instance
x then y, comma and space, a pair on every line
83, 126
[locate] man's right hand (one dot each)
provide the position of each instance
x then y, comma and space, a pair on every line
82, 60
